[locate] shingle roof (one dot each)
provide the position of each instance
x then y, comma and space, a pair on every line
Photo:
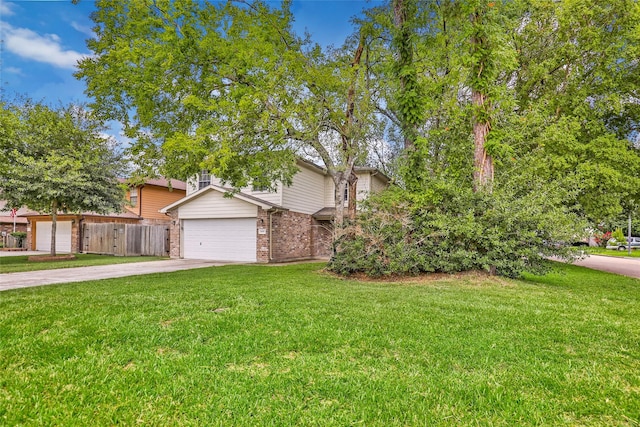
162, 182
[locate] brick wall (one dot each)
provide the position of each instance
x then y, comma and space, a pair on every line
174, 234
75, 236
8, 229
291, 234
294, 236
262, 236
322, 238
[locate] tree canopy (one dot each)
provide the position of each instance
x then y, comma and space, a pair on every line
506, 96
227, 87
56, 160
541, 89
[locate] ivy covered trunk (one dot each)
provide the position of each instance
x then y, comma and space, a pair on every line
481, 81
482, 161
54, 223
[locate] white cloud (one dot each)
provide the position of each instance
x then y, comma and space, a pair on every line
84, 29
14, 70
42, 48
6, 8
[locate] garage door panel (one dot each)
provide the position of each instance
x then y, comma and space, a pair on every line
63, 236
231, 239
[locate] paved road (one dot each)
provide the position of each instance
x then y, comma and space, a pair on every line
81, 274
624, 266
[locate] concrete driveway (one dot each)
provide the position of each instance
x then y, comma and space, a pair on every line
82, 274
624, 266
21, 253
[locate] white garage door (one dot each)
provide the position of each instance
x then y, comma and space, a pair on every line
220, 239
63, 236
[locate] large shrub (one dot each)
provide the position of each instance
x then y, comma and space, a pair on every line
451, 229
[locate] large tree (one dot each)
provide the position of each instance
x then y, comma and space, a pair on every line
57, 160
516, 90
577, 91
230, 88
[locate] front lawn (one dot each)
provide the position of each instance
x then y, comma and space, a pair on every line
635, 253
291, 345
15, 264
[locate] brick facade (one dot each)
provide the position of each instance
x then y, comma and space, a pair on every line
7, 229
322, 232
262, 236
293, 236
174, 234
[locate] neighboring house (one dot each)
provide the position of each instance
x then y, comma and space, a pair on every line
7, 222
256, 225
145, 201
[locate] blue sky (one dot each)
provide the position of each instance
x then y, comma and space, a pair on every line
43, 40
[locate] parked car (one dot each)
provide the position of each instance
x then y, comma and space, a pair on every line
634, 243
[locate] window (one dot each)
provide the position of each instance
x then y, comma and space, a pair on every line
259, 188
204, 179
346, 193
133, 196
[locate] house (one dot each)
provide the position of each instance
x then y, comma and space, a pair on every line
10, 222
146, 199
144, 202
257, 225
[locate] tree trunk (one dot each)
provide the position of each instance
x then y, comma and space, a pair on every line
340, 183
54, 220
482, 161
352, 201
348, 134
408, 81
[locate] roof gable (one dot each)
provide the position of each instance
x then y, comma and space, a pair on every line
240, 196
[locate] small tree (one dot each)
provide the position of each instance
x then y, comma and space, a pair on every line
57, 161
618, 236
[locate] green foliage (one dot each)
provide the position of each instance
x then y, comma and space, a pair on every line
57, 160
619, 237
450, 229
560, 79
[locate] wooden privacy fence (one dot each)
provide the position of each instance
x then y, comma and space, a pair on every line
125, 239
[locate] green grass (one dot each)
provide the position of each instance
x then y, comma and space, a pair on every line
280, 346
15, 264
635, 253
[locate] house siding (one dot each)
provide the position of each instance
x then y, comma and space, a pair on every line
306, 194
151, 199
363, 187
378, 184
213, 204
329, 196
275, 197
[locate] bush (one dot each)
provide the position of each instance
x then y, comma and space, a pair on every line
448, 229
619, 237
19, 236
